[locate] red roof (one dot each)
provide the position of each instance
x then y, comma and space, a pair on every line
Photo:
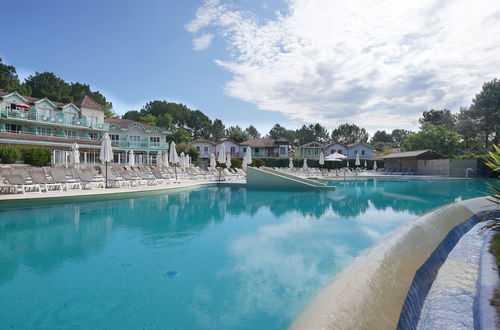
87, 102
30, 137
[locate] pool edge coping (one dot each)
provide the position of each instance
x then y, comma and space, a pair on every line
335, 303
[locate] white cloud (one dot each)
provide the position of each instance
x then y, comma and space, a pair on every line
378, 64
203, 42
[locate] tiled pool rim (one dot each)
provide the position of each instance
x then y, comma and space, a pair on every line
372, 291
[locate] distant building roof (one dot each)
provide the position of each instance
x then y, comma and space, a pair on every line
336, 142
226, 139
260, 142
126, 123
87, 102
426, 153
202, 141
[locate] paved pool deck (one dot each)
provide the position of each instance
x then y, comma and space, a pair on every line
121, 192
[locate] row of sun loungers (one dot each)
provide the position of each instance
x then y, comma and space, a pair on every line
315, 172
22, 179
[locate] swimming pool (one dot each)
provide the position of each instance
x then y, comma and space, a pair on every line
215, 257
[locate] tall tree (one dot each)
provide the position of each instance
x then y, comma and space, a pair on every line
381, 137
235, 133
278, 131
79, 90
466, 126
132, 115
252, 132
350, 133
198, 124
9, 81
47, 84
399, 135
438, 118
149, 119
312, 132
218, 130
437, 138
485, 109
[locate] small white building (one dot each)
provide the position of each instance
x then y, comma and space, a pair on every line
335, 147
204, 147
231, 147
364, 150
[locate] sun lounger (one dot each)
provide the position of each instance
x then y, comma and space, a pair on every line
41, 179
20, 183
112, 178
59, 176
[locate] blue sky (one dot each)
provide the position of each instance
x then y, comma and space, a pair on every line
260, 61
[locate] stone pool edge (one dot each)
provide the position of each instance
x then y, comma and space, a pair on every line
370, 293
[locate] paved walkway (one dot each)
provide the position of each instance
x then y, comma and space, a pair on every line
116, 192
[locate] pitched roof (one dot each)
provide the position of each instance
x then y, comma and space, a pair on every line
259, 143
226, 139
125, 123
87, 102
336, 142
202, 141
415, 153
308, 143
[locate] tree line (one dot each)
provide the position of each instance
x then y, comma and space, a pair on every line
475, 126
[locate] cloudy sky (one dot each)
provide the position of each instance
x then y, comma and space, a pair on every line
378, 64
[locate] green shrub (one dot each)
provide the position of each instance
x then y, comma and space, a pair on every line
257, 162
236, 162
9, 154
36, 156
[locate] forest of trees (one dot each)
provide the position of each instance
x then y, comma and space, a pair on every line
475, 126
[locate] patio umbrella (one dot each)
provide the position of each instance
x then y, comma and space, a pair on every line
174, 158
182, 160
131, 158
24, 106
374, 164
290, 163
213, 163
222, 158
188, 160
305, 164
247, 160
228, 161
335, 155
165, 159
366, 164
159, 159
358, 162
321, 158
75, 154
106, 154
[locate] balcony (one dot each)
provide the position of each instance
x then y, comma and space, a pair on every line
59, 120
144, 144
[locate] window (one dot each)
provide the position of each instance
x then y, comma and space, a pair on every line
71, 134
44, 131
198, 148
115, 138
13, 128
362, 152
232, 150
256, 150
96, 136
205, 150
244, 149
282, 150
355, 152
339, 151
134, 139
155, 141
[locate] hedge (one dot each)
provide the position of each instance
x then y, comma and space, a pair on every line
9, 154
36, 156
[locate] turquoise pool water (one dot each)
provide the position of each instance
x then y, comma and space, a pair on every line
212, 258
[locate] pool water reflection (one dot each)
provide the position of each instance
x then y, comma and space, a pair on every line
203, 259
